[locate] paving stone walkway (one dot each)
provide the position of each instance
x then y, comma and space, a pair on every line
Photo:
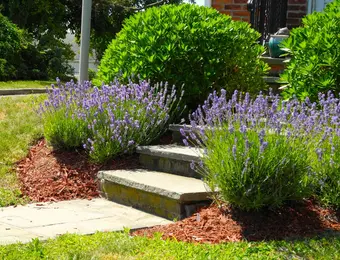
48, 220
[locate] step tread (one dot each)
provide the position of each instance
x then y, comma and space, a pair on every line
178, 127
176, 152
172, 186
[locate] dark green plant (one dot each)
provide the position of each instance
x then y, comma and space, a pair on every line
46, 59
92, 74
186, 45
11, 41
315, 55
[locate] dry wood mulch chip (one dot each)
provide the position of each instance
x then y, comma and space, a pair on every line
48, 175
223, 224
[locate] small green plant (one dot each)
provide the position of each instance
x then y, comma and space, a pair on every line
188, 45
315, 55
109, 121
326, 165
253, 169
256, 151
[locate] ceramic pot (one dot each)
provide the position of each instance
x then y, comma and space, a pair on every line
273, 46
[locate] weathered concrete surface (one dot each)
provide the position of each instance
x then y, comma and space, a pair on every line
47, 220
172, 159
166, 195
172, 152
173, 186
22, 91
163, 164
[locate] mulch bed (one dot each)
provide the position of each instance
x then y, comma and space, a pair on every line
223, 224
52, 175
48, 175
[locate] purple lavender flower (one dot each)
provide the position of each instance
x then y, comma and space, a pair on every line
112, 118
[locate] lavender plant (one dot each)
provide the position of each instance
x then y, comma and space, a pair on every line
261, 152
107, 121
325, 160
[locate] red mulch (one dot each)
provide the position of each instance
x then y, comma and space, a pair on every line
48, 175
216, 225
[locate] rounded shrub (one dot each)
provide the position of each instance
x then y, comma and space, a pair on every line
315, 55
186, 45
10, 45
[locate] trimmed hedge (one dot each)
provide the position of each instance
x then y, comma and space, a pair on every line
186, 45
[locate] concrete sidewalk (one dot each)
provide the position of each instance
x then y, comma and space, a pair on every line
48, 220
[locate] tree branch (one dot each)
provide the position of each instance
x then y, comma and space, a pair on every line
141, 8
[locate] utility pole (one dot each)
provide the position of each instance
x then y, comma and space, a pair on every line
85, 40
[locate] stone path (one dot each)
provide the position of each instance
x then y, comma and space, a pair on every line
48, 220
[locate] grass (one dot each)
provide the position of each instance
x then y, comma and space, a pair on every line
19, 127
122, 246
25, 84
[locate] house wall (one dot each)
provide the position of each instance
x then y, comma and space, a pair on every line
296, 10
238, 10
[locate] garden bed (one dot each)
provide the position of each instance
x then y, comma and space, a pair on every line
48, 175
55, 175
224, 224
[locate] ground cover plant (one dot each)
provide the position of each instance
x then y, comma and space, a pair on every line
19, 128
108, 121
276, 151
188, 45
314, 50
122, 246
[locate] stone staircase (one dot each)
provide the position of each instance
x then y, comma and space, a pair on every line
277, 66
167, 187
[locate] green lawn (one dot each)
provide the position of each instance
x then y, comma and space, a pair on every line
19, 127
122, 246
25, 84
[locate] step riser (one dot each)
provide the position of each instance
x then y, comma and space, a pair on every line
149, 202
168, 165
177, 138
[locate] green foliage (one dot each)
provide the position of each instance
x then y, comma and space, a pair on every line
122, 246
106, 18
186, 45
249, 178
48, 22
46, 59
63, 130
11, 40
315, 55
107, 122
23, 57
326, 166
92, 74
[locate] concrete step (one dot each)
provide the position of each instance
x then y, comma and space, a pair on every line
166, 195
277, 65
176, 134
172, 159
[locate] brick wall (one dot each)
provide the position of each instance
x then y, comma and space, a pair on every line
296, 10
237, 9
